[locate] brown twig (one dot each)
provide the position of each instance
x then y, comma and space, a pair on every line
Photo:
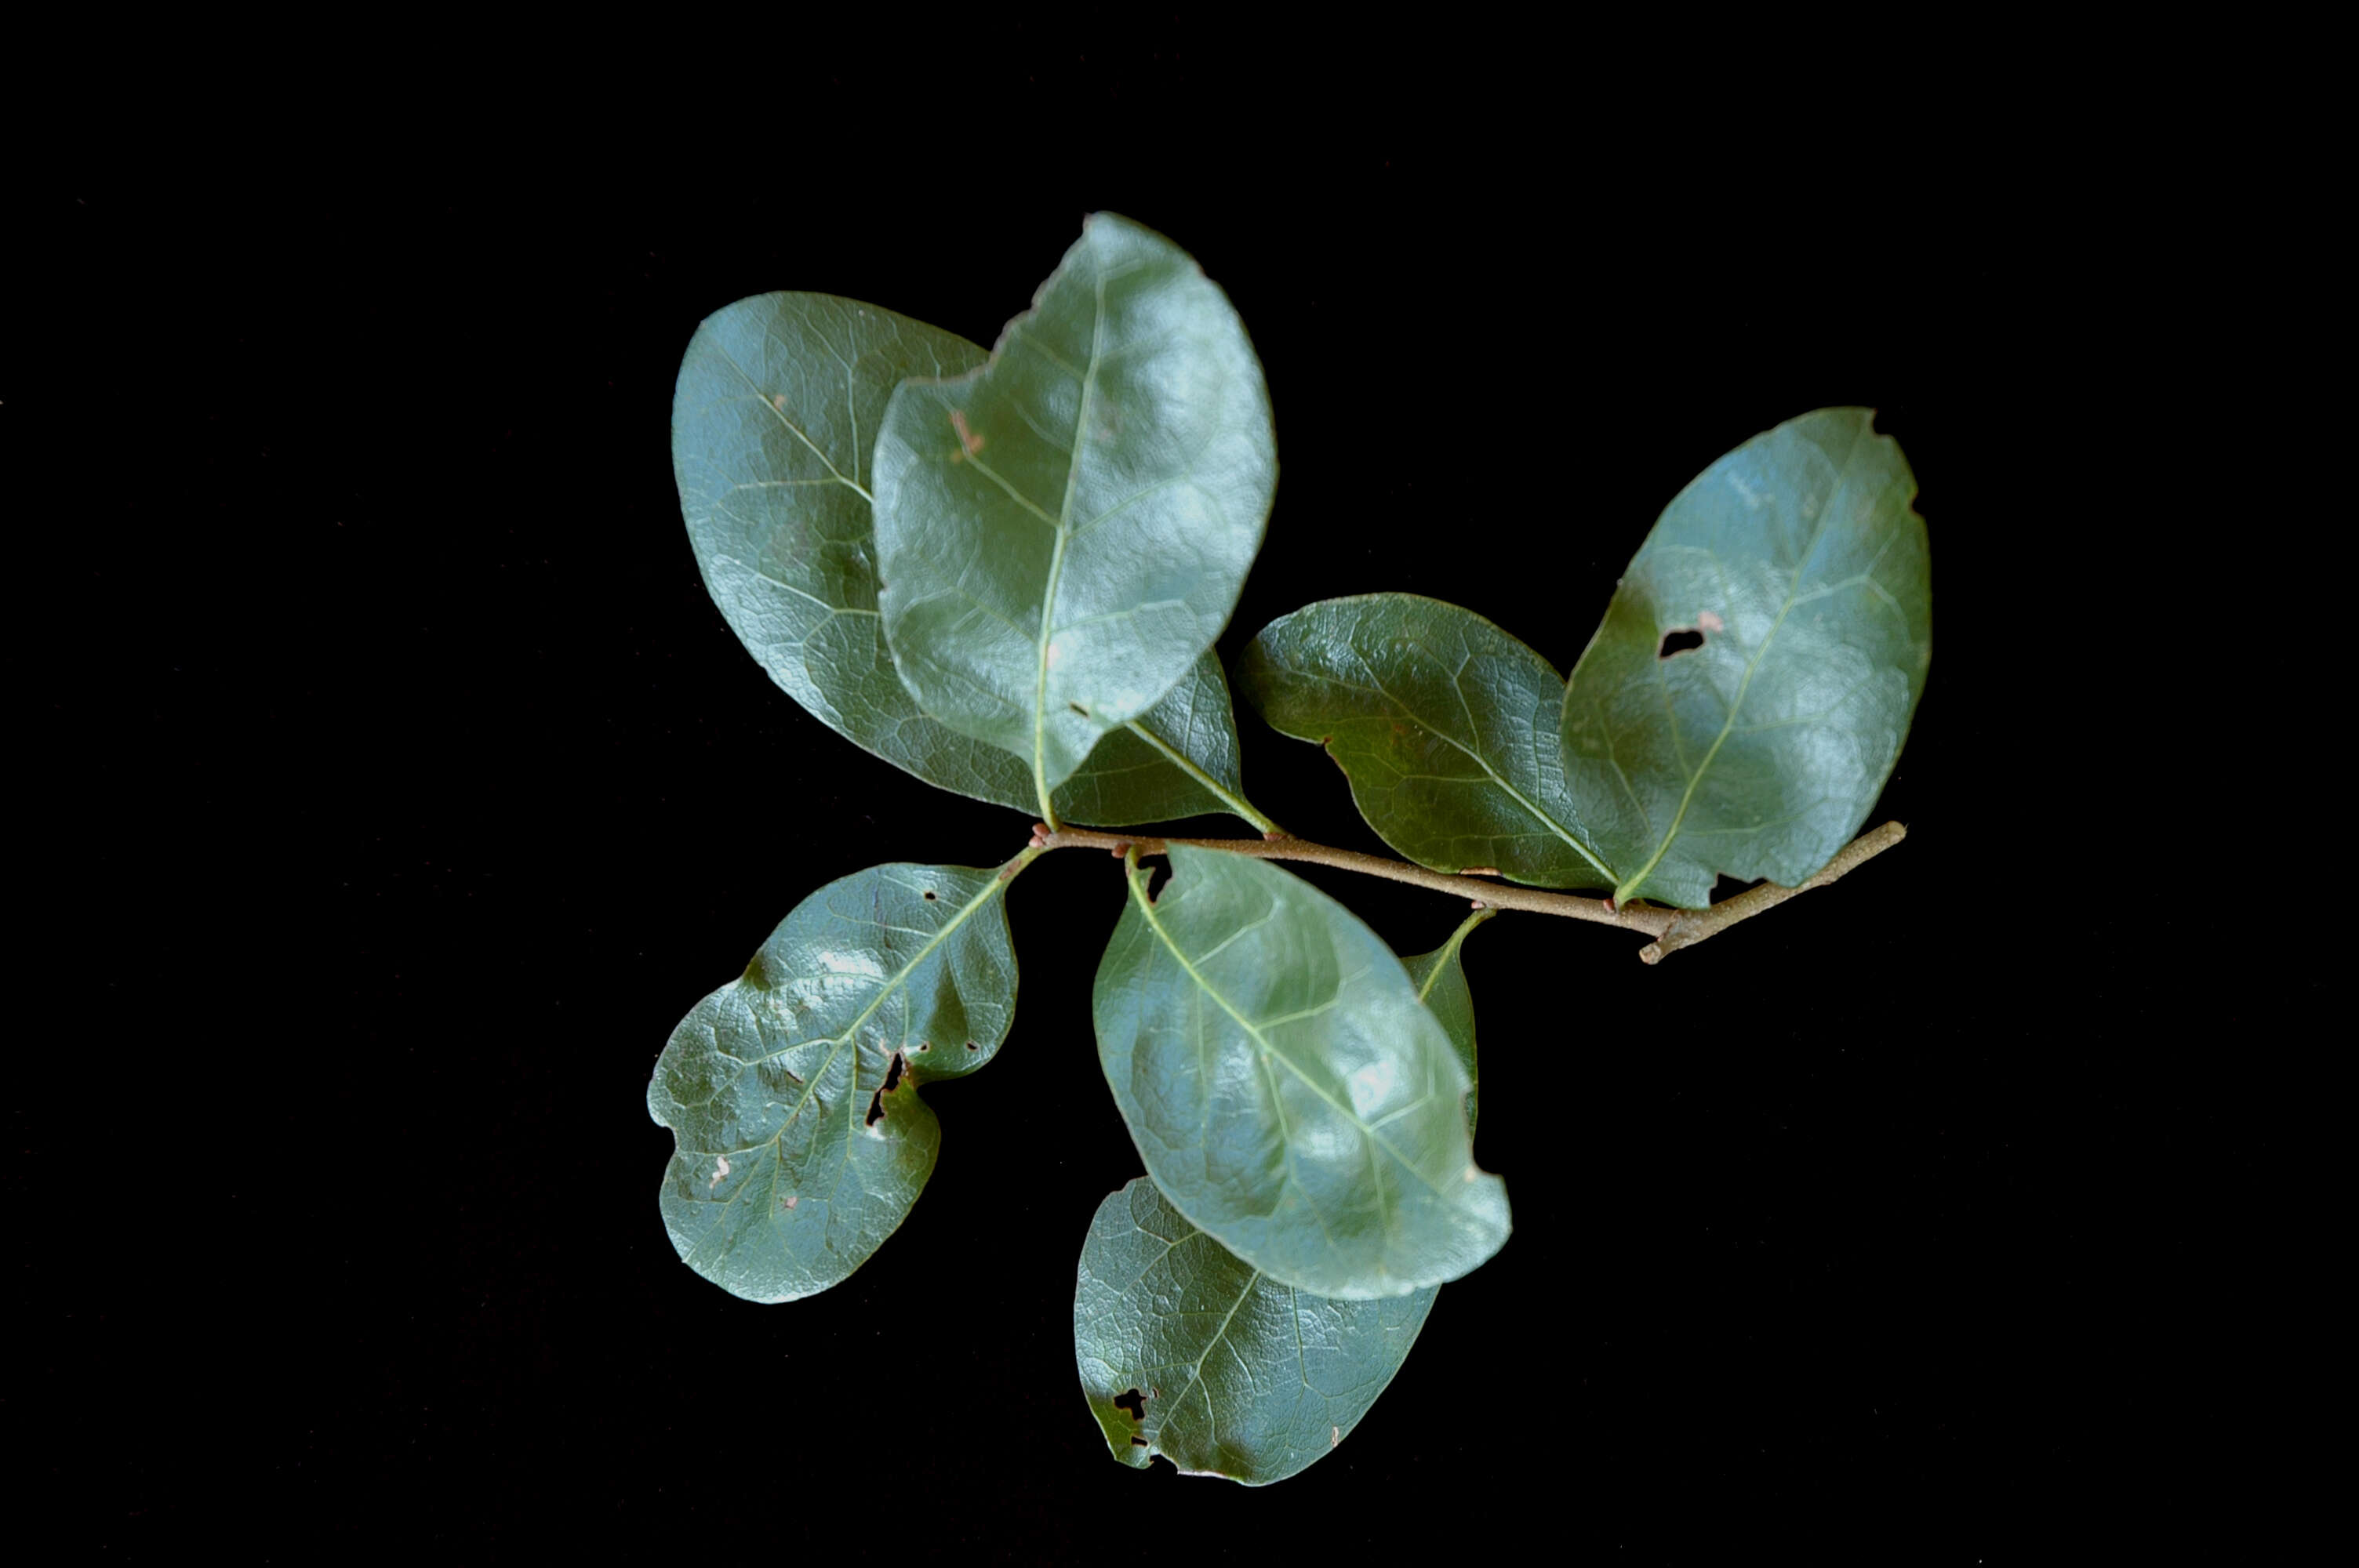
1690, 927
1670, 928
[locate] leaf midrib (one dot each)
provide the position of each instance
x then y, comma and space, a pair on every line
1196, 1373
1550, 823
1057, 555
1448, 951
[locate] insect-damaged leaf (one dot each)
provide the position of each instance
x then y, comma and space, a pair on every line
1288, 1090
1737, 713
777, 406
1798, 562
1188, 1351
793, 1090
1445, 726
1062, 532
1440, 980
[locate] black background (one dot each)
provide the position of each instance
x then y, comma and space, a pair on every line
432, 790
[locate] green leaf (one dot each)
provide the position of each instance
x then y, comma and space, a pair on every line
793, 1090
1798, 561
1188, 1351
778, 399
1440, 980
1288, 1090
1445, 726
1181, 760
1064, 533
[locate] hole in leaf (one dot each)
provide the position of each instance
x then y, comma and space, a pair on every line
925, 1044
930, 893
1678, 642
973, 1046
1078, 708
1156, 877
1137, 1440
1132, 1403
892, 1082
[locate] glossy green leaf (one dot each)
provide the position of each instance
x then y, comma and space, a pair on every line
1440, 980
1181, 760
777, 403
793, 1090
1188, 1351
1444, 724
1797, 560
1062, 532
1288, 1090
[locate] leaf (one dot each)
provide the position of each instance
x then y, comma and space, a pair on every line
1444, 724
1440, 980
1064, 533
1287, 1089
1229, 1372
1188, 1351
778, 399
771, 420
793, 1090
1181, 760
1798, 562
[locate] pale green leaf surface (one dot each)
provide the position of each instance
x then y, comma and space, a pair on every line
1064, 533
793, 1162
1235, 1374
776, 405
1440, 980
778, 400
1799, 559
1445, 725
1287, 1089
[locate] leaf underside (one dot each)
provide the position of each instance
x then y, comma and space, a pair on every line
1287, 1089
778, 400
1188, 1351
1062, 532
795, 1160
